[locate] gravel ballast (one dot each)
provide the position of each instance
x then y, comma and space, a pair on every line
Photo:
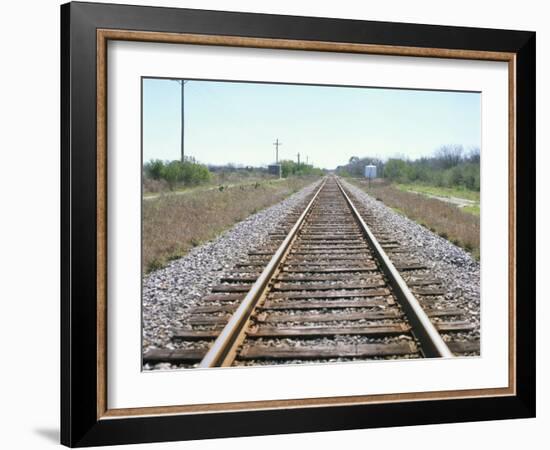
170, 292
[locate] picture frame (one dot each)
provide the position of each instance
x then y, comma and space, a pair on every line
86, 418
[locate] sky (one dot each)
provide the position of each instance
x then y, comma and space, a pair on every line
234, 122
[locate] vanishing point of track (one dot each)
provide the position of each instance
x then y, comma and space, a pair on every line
323, 289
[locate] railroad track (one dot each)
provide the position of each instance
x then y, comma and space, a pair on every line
323, 289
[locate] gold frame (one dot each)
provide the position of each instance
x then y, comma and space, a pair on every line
104, 35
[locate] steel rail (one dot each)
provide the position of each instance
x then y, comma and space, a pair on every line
432, 344
229, 336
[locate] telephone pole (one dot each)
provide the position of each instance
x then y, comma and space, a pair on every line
182, 83
277, 144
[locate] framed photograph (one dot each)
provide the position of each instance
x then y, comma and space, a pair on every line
279, 224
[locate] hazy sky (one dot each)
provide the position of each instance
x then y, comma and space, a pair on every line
238, 122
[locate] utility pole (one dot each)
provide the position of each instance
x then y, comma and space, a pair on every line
182, 82
276, 144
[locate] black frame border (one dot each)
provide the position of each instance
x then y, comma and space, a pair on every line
79, 423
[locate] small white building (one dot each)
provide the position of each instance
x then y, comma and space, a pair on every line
370, 171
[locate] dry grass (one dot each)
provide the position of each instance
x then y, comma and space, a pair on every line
173, 224
151, 186
154, 186
461, 228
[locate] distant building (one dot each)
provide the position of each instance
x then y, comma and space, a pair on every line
274, 169
370, 172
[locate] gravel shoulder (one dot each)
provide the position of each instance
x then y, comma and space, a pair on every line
169, 292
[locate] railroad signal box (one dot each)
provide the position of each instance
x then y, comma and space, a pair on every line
370, 172
274, 169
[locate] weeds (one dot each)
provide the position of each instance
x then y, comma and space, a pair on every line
173, 224
446, 220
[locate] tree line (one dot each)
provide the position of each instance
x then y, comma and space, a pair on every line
191, 173
449, 166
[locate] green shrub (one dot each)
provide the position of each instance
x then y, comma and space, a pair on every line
172, 173
176, 172
154, 168
290, 168
395, 170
